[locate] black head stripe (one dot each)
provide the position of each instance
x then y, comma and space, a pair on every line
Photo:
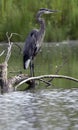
43, 9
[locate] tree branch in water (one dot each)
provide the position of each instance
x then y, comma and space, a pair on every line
46, 76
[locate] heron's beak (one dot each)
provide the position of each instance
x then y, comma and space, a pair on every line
53, 11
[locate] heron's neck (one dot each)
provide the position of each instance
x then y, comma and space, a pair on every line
42, 24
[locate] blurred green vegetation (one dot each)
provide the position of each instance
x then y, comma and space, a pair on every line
19, 17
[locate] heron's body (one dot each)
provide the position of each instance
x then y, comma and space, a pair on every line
34, 41
32, 47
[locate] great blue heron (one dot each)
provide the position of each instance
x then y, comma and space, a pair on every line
34, 41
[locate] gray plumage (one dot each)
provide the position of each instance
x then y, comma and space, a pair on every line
34, 41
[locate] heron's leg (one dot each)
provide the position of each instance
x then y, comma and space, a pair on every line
31, 68
32, 82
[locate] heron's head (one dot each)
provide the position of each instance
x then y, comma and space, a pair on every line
46, 11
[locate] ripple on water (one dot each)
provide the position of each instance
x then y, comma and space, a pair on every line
55, 109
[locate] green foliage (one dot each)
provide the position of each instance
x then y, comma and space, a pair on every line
19, 16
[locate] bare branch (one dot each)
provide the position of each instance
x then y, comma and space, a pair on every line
46, 82
9, 52
58, 69
2, 52
9, 37
9, 46
18, 47
46, 76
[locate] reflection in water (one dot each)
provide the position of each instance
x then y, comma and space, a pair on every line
55, 109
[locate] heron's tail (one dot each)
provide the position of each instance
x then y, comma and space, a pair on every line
26, 62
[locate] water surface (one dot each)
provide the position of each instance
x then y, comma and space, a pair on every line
54, 109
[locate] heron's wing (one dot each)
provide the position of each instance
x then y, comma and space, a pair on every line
30, 45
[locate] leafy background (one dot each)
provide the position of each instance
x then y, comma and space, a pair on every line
20, 17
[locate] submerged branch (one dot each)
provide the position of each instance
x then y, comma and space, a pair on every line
46, 76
